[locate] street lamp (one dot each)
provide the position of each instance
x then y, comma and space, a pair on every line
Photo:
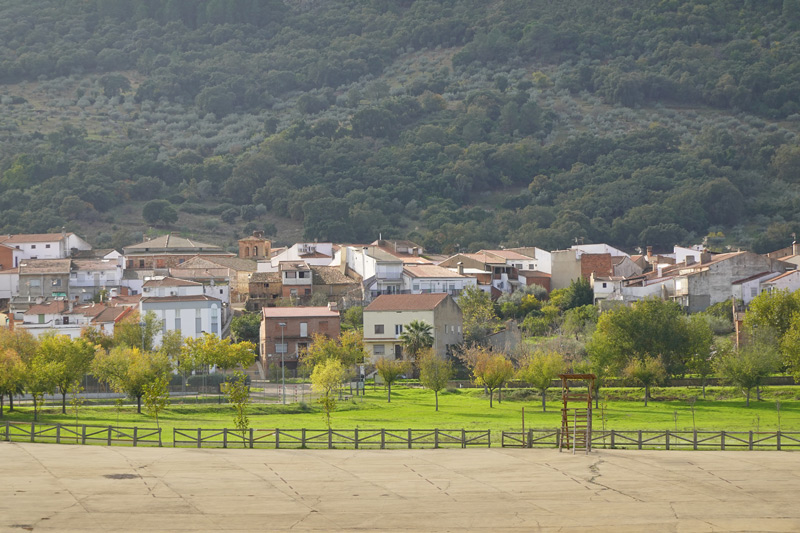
283, 366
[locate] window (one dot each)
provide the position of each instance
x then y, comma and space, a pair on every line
753, 292
198, 324
307, 292
291, 275
34, 283
605, 285
220, 291
281, 347
293, 292
141, 263
33, 246
177, 323
302, 274
304, 329
379, 349
398, 329
378, 329
56, 283
416, 286
47, 246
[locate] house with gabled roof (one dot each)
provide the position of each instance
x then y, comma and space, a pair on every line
44, 245
168, 251
286, 332
388, 315
788, 281
746, 289
422, 279
65, 318
182, 305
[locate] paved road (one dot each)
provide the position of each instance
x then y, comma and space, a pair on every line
91, 488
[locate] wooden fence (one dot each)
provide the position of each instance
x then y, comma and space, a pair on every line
667, 440
332, 438
82, 434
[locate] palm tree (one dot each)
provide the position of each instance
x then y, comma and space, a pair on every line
417, 336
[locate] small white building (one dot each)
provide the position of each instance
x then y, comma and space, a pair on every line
182, 306
44, 245
788, 281
420, 279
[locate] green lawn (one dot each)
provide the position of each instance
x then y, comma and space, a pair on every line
468, 409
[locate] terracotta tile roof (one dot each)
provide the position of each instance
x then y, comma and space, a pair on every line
406, 302
55, 307
751, 278
96, 253
90, 310
95, 264
125, 300
234, 263
170, 282
508, 254
45, 266
273, 313
268, 277
172, 242
325, 275
781, 276
112, 314
289, 266
190, 298
32, 237
430, 271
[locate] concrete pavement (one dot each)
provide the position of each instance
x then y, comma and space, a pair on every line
92, 488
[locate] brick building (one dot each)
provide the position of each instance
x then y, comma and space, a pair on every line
291, 339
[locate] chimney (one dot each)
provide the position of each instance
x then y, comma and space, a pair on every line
705, 257
660, 270
689, 260
333, 306
795, 248
460, 266
649, 254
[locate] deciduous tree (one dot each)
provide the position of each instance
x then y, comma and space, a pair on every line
434, 372
325, 380
129, 370
747, 367
539, 369
491, 371
76, 356
648, 371
390, 371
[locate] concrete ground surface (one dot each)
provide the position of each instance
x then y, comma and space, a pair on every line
47, 487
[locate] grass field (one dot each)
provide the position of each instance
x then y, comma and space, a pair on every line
724, 409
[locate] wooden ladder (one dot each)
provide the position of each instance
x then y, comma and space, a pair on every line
576, 420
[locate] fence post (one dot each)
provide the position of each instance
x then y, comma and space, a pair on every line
109, 435
278, 438
58, 433
435, 438
489, 438
8, 426
409, 438
251, 438
330, 438
174, 433
199, 437
383, 439
778, 435
667, 439
750, 443
530, 438
303, 437
558, 439
355, 440
33, 430
640, 439
224, 437
159, 438
722, 441
464, 438
83, 434
694, 442
136, 436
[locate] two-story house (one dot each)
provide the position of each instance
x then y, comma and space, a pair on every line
89, 277
43, 245
420, 279
41, 280
297, 280
168, 251
183, 306
381, 272
387, 316
287, 331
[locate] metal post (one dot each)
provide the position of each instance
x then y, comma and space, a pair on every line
283, 365
574, 430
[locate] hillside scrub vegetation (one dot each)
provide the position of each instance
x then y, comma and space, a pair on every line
458, 124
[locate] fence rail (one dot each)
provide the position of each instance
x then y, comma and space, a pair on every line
80, 434
668, 440
331, 438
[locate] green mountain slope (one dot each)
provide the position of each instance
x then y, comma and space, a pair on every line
459, 124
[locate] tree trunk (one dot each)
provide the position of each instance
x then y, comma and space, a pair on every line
435, 393
35, 410
597, 396
10, 402
63, 403
758, 392
747, 396
500, 394
2, 398
646, 394
139, 404
704, 390
544, 401
490, 398
389, 385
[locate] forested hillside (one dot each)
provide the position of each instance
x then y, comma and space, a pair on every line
457, 123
